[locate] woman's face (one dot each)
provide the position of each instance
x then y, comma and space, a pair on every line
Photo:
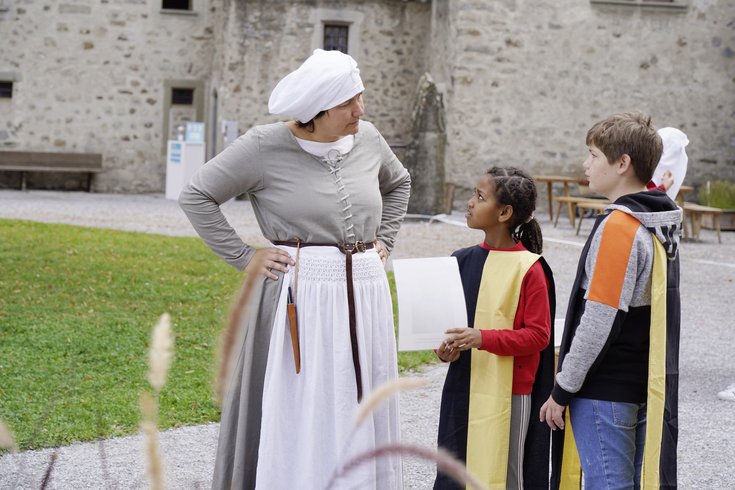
341, 120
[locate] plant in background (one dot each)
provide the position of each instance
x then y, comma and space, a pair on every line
718, 194
444, 461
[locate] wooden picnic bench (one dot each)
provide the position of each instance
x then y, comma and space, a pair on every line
33, 161
597, 205
696, 212
572, 203
550, 181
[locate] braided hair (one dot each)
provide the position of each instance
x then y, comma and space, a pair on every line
515, 188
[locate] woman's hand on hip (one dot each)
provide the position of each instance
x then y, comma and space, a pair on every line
266, 260
382, 251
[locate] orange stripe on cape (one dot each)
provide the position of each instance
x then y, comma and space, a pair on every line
615, 245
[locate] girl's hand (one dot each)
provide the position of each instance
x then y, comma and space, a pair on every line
382, 252
460, 339
446, 353
266, 260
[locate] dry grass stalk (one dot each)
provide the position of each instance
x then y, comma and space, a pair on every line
233, 334
102, 452
49, 469
385, 391
161, 352
445, 462
7, 440
153, 451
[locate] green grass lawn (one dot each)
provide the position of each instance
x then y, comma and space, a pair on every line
77, 306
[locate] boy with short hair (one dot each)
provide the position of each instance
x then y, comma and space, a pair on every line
618, 362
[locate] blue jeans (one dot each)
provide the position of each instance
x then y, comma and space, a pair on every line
610, 437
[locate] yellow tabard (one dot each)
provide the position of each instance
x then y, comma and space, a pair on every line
491, 376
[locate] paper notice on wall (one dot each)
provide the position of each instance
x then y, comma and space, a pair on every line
430, 300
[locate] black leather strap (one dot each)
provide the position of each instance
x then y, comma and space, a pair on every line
348, 249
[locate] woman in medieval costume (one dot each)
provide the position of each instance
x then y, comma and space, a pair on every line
329, 194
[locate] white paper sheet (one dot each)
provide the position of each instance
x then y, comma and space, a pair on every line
430, 300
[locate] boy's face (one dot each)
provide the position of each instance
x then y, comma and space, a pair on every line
600, 172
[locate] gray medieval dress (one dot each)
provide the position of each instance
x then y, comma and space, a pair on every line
280, 429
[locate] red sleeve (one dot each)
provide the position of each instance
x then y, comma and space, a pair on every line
651, 186
532, 324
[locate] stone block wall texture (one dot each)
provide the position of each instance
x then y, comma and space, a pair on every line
91, 79
526, 80
261, 42
522, 81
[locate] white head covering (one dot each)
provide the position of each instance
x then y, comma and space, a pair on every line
674, 159
325, 80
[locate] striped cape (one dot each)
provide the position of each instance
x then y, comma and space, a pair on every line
475, 416
659, 461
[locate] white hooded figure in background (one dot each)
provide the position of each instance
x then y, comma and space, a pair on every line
674, 159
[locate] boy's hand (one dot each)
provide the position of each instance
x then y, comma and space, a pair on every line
446, 353
553, 414
460, 339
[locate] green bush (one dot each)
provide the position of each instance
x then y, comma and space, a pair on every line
718, 194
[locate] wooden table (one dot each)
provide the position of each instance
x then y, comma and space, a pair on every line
550, 181
696, 212
597, 205
573, 201
684, 189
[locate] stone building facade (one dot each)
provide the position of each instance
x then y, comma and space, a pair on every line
521, 81
525, 80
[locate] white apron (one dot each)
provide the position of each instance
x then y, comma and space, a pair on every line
308, 418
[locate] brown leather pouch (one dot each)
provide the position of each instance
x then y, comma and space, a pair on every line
293, 322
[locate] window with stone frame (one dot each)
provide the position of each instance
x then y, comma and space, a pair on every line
6, 89
182, 96
336, 36
176, 4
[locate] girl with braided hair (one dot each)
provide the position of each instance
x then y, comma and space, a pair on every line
501, 367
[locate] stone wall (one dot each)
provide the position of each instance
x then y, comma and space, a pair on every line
263, 41
527, 79
522, 81
90, 78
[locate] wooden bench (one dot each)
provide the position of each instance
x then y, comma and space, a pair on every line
572, 203
550, 181
696, 212
597, 205
32, 161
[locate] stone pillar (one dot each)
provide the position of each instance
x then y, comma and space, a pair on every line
425, 153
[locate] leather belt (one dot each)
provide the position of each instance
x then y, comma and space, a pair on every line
348, 249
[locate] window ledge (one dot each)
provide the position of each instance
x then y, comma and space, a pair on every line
178, 12
676, 5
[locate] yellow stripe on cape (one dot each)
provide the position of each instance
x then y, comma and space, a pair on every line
656, 371
491, 376
656, 396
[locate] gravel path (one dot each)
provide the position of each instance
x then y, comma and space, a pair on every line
707, 438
